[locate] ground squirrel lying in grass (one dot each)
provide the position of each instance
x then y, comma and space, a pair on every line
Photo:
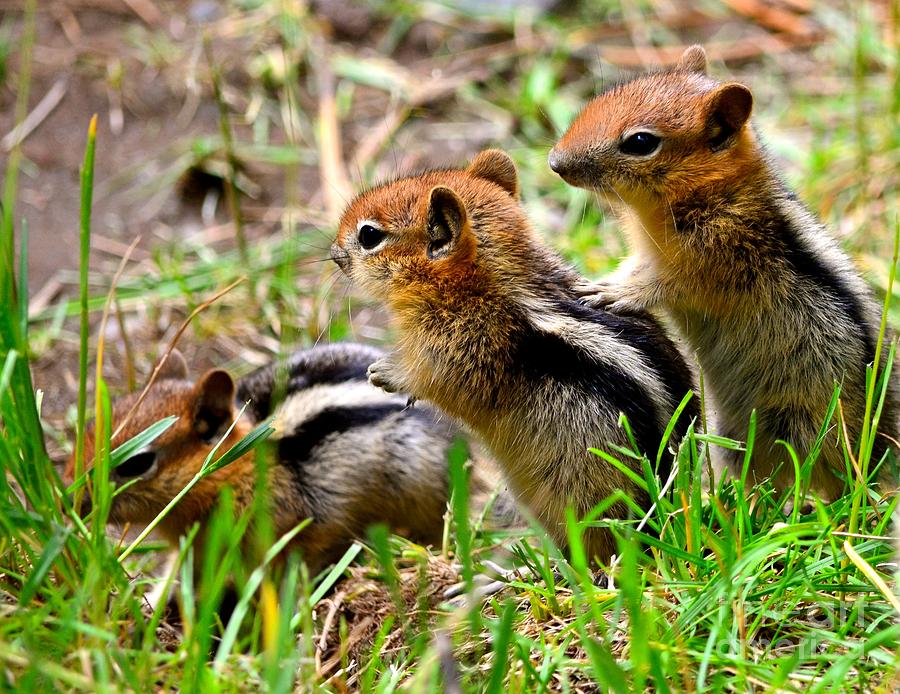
347, 454
773, 307
491, 330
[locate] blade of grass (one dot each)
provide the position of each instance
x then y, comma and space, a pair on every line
40, 570
22, 284
256, 578
872, 575
87, 191
335, 572
500, 649
865, 447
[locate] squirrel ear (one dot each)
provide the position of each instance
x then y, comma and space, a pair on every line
173, 366
693, 60
446, 220
495, 165
729, 109
213, 402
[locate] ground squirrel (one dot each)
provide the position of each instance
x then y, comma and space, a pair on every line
773, 307
347, 454
489, 329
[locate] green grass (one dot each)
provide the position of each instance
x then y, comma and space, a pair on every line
719, 590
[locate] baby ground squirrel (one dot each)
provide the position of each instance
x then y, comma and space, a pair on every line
347, 454
490, 330
773, 307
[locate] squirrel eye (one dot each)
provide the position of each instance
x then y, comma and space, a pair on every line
137, 465
370, 236
640, 144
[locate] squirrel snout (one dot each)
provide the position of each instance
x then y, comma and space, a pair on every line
560, 162
341, 257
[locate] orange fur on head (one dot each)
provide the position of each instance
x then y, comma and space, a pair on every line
691, 113
428, 242
203, 410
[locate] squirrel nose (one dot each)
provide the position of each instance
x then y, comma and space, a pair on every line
340, 256
558, 161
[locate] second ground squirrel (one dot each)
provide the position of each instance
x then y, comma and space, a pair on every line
773, 307
490, 330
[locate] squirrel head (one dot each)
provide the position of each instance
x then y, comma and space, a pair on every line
204, 409
663, 133
403, 238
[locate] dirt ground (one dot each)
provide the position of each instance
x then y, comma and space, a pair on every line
137, 65
74, 47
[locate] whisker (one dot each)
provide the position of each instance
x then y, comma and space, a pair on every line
327, 235
349, 298
313, 261
583, 211
674, 222
307, 244
393, 147
599, 87
547, 118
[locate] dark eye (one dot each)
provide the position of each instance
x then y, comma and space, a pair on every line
137, 465
370, 236
640, 144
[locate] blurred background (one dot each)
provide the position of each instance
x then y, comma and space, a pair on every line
231, 135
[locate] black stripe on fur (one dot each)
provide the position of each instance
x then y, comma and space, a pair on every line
327, 364
297, 447
647, 336
540, 355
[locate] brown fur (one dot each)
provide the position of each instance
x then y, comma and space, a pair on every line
342, 498
465, 276
773, 307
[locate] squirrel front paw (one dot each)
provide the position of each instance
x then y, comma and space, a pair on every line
597, 294
633, 288
385, 374
587, 288
615, 298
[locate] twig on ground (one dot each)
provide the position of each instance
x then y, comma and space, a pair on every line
428, 93
156, 370
729, 51
336, 188
43, 296
322, 644
773, 17
44, 108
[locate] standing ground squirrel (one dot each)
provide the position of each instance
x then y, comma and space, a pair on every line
347, 454
490, 330
773, 307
